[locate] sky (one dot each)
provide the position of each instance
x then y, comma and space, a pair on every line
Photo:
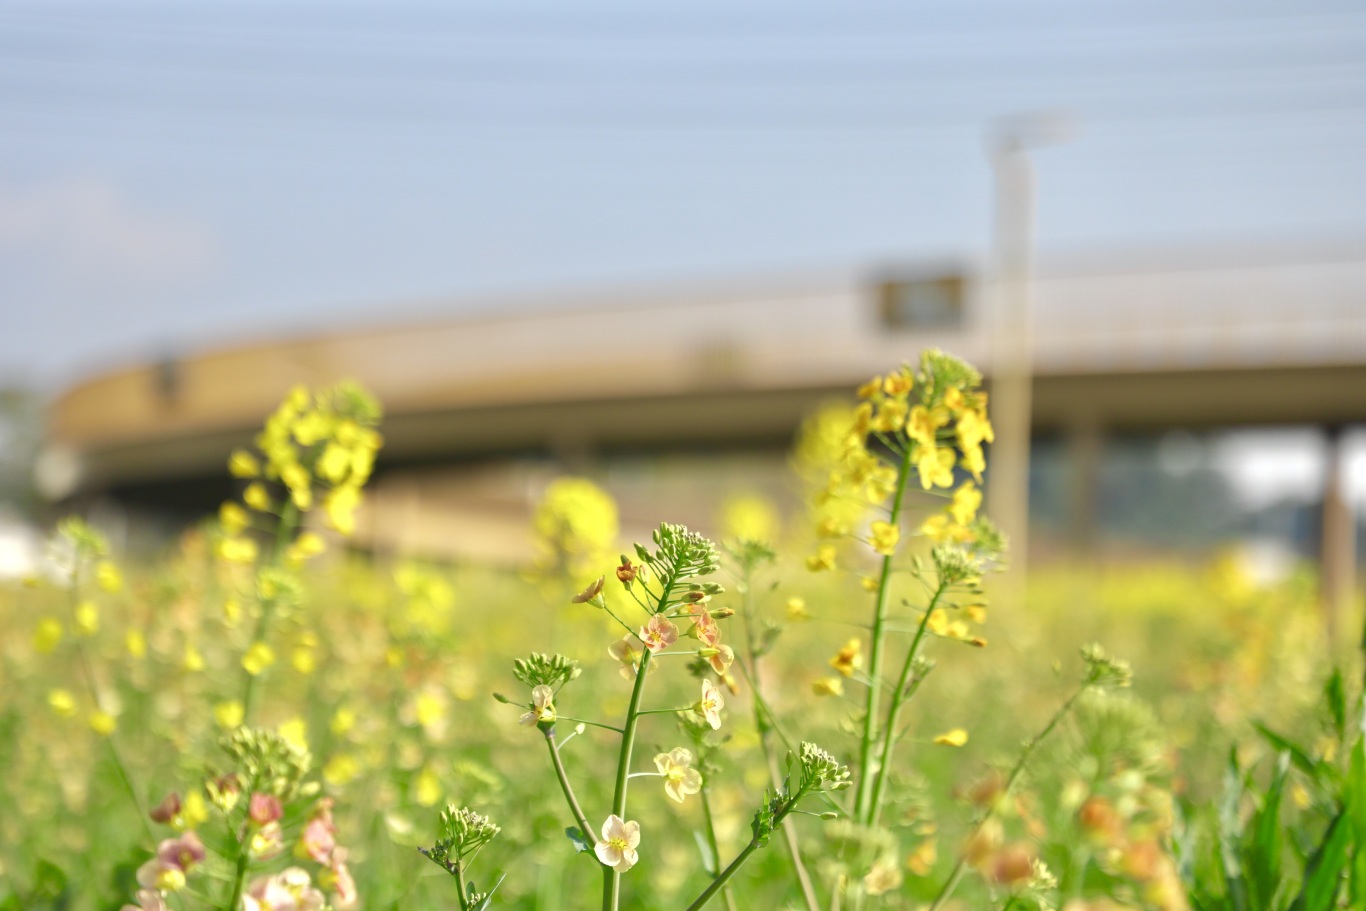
176, 176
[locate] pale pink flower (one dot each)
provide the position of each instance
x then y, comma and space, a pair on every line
148, 900
265, 809
267, 841
338, 880
658, 634
722, 659
161, 876
680, 779
542, 706
318, 840
711, 704
626, 652
705, 629
289, 890
183, 852
617, 847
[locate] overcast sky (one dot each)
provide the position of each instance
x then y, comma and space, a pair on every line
177, 175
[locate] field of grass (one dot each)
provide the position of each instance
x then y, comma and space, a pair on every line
119, 685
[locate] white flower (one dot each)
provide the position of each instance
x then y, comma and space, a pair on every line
617, 848
543, 706
711, 704
680, 779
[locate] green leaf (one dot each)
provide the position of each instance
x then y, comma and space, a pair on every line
1263, 850
1336, 697
581, 844
1323, 875
1302, 760
488, 899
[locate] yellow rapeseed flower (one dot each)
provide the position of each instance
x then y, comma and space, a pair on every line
87, 618
427, 788
228, 714
341, 508
242, 464
193, 661
828, 686
194, 812
966, 500
102, 723
954, 738
898, 383
257, 497
108, 577
295, 732
341, 769
62, 703
47, 635
136, 643
796, 609
258, 657
343, 721
822, 559
935, 467
848, 659
233, 517
884, 537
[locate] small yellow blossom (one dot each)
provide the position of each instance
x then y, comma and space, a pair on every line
343, 720
108, 577
47, 636
966, 500
923, 424
871, 388
238, 550
869, 583
193, 660
307, 545
427, 789
977, 613
294, 732
102, 723
228, 714
193, 812
935, 467
258, 657
87, 618
341, 508
257, 497
796, 609
922, 860
232, 611
233, 517
898, 384
62, 703
828, 686
831, 527
304, 659
823, 559
882, 878
242, 464
954, 738
848, 659
136, 643
884, 538
341, 769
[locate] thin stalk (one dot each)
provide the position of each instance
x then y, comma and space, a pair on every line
460, 883
289, 518
863, 794
960, 867
767, 724
568, 789
595, 724
715, 848
239, 875
611, 893
899, 698
724, 876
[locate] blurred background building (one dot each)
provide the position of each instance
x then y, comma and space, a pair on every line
201, 206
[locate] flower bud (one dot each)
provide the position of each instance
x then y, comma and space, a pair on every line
626, 572
590, 593
167, 810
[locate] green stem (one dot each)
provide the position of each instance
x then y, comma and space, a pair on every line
611, 895
863, 794
460, 882
754, 844
239, 877
568, 789
767, 725
715, 847
596, 724
899, 698
289, 518
960, 867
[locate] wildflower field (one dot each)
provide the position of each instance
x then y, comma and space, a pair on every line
824, 713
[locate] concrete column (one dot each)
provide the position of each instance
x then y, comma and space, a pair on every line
1337, 540
1085, 452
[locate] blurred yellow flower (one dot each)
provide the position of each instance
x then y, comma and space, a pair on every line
828, 686
935, 467
954, 738
242, 464
966, 500
256, 497
822, 559
193, 661
194, 812
258, 657
102, 723
427, 788
228, 714
47, 635
341, 769
343, 721
884, 538
108, 577
87, 618
749, 517
341, 508
796, 609
295, 732
848, 659
136, 643
62, 702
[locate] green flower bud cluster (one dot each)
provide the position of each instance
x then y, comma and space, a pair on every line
268, 763
463, 832
681, 554
545, 670
1103, 670
821, 771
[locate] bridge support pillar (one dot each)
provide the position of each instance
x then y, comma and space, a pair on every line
1337, 537
1085, 451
